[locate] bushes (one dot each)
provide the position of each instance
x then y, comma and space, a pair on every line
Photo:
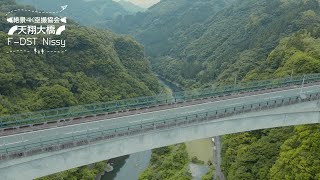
168, 163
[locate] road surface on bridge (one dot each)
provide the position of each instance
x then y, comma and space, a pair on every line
25, 139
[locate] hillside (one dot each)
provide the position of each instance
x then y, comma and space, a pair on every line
202, 42
85, 12
164, 21
246, 40
283, 152
98, 66
196, 44
130, 7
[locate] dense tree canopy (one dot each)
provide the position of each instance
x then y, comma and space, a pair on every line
247, 40
197, 43
168, 163
98, 66
299, 155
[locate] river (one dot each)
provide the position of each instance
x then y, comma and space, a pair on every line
202, 149
129, 167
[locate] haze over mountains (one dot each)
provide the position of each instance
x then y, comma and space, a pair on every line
202, 41
142, 3
130, 7
87, 12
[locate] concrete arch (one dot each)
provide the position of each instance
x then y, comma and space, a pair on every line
48, 163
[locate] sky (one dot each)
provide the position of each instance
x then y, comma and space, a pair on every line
144, 3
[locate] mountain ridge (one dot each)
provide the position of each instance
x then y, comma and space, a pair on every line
207, 49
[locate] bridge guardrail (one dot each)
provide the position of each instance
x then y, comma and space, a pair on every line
142, 102
106, 133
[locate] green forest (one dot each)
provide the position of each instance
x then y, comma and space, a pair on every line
98, 66
196, 44
168, 163
224, 41
243, 40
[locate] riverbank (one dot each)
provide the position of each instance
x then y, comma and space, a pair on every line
202, 149
138, 163
131, 165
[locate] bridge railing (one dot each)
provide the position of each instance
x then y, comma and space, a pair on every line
53, 115
53, 143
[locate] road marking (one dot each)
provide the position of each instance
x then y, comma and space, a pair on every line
82, 131
287, 90
232, 105
192, 111
141, 120
14, 143
272, 98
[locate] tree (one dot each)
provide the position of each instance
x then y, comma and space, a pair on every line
56, 96
299, 155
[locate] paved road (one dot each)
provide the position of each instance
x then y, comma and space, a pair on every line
80, 129
218, 174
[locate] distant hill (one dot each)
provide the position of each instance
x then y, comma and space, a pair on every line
204, 41
86, 12
195, 44
130, 7
166, 20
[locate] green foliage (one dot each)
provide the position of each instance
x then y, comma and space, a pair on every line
56, 96
130, 7
262, 157
299, 155
98, 66
160, 26
203, 42
209, 175
195, 43
195, 160
168, 163
246, 40
82, 173
250, 155
298, 53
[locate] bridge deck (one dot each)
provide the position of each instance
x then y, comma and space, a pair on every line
57, 138
91, 112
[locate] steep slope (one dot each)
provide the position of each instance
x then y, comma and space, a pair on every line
241, 37
285, 153
130, 7
251, 39
158, 27
202, 42
98, 66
